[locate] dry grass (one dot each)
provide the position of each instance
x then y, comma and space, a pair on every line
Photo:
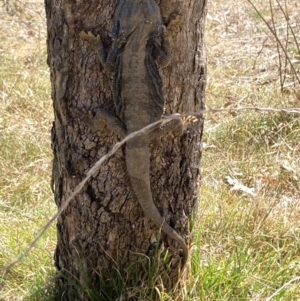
25, 157
248, 241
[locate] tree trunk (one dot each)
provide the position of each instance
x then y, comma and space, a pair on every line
104, 240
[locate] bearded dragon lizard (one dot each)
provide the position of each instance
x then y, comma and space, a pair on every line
138, 49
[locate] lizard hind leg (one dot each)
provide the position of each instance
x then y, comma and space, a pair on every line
100, 120
174, 126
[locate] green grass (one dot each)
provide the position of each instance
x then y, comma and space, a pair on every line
247, 246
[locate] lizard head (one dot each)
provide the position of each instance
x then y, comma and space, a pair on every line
136, 13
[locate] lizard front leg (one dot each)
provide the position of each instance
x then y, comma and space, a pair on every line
161, 45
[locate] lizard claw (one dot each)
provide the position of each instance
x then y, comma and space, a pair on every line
175, 23
94, 41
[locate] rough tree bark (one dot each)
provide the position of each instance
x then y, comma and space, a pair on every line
103, 233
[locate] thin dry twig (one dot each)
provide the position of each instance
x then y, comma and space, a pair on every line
79, 187
277, 40
284, 12
97, 165
282, 287
281, 77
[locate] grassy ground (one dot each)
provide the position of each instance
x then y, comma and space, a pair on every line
248, 237
26, 201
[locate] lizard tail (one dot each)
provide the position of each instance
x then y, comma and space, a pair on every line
138, 166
